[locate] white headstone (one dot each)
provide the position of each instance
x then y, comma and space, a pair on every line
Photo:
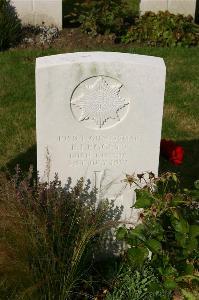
35, 12
153, 5
99, 116
185, 7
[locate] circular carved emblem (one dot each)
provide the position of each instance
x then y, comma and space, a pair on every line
99, 102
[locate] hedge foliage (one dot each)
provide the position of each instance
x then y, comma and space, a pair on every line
10, 26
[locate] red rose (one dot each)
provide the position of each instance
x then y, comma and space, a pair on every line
173, 152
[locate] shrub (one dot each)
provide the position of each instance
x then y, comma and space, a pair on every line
48, 235
169, 229
10, 26
163, 29
99, 17
48, 34
138, 284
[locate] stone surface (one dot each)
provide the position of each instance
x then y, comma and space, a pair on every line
35, 12
185, 7
153, 5
99, 116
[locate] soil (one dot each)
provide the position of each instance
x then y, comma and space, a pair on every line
70, 39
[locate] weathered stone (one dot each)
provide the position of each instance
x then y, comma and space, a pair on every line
153, 5
99, 116
185, 7
36, 12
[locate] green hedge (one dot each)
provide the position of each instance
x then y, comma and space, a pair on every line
10, 26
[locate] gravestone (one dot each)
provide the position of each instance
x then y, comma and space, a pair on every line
153, 5
185, 7
37, 12
99, 116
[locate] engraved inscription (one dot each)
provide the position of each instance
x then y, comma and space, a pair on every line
98, 102
100, 151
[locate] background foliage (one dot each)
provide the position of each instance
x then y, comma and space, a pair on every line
102, 17
163, 29
122, 19
10, 26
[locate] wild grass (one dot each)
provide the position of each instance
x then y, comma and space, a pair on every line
48, 235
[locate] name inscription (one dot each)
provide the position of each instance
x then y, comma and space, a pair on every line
98, 150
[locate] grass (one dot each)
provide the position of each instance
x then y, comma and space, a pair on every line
17, 104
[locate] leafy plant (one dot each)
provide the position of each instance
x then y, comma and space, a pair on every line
10, 26
104, 16
163, 29
47, 235
168, 232
138, 284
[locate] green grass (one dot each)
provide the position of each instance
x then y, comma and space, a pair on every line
181, 111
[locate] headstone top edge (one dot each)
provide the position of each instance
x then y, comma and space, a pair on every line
100, 56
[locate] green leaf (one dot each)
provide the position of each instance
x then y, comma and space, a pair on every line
176, 214
139, 229
191, 244
137, 255
188, 269
167, 271
121, 233
138, 232
174, 177
143, 199
194, 194
196, 184
194, 230
154, 245
176, 201
181, 239
132, 240
170, 284
180, 225
156, 231
185, 253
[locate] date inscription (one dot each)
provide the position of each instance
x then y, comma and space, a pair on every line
98, 150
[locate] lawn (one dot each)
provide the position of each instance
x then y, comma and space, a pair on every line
181, 110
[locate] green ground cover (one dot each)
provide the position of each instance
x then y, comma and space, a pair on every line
181, 110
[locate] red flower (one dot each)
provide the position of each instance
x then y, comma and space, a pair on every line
173, 152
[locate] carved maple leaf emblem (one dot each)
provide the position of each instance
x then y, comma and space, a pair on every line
100, 101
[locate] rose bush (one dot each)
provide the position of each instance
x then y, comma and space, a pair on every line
168, 231
173, 152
